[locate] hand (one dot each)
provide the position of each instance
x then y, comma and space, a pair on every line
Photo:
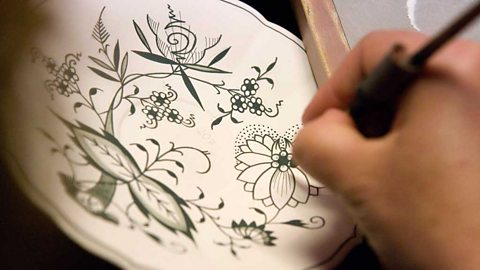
415, 192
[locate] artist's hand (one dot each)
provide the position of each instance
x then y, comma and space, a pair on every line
415, 192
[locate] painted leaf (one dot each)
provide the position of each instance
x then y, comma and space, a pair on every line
132, 109
97, 199
270, 81
203, 68
190, 87
259, 211
100, 33
103, 74
105, 188
216, 122
257, 69
141, 36
270, 67
47, 135
201, 195
235, 120
172, 174
154, 237
123, 69
77, 105
154, 141
116, 55
180, 165
141, 147
156, 58
93, 91
109, 122
220, 109
158, 201
295, 222
219, 56
105, 152
221, 204
101, 63
136, 90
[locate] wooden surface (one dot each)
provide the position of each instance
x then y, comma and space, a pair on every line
322, 35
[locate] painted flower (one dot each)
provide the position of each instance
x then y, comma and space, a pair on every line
270, 174
176, 40
50, 65
63, 87
68, 73
159, 99
255, 106
253, 232
239, 103
64, 76
249, 87
152, 113
173, 115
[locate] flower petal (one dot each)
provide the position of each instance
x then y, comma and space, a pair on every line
276, 147
314, 191
252, 173
288, 146
241, 166
267, 202
282, 187
293, 203
245, 149
262, 186
268, 141
258, 147
248, 187
302, 187
252, 158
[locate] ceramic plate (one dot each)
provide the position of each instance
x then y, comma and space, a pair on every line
158, 135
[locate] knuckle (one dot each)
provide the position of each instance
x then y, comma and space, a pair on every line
459, 60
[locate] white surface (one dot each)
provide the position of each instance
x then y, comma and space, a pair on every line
185, 240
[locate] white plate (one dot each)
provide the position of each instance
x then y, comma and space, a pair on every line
158, 134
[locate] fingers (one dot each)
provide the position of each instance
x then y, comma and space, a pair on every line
340, 89
330, 148
458, 61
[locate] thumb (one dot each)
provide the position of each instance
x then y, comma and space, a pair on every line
332, 150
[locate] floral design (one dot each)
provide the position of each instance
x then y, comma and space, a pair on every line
65, 76
249, 87
253, 232
270, 174
160, 99
239, 103
152, 113
173, 116
255, 106
245, 99
147, 181
157, 106
179, 48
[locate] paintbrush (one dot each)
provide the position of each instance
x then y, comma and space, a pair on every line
378, 95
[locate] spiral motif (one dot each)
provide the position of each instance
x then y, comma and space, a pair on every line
181, 40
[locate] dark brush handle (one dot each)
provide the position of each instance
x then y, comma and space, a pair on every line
375, 104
